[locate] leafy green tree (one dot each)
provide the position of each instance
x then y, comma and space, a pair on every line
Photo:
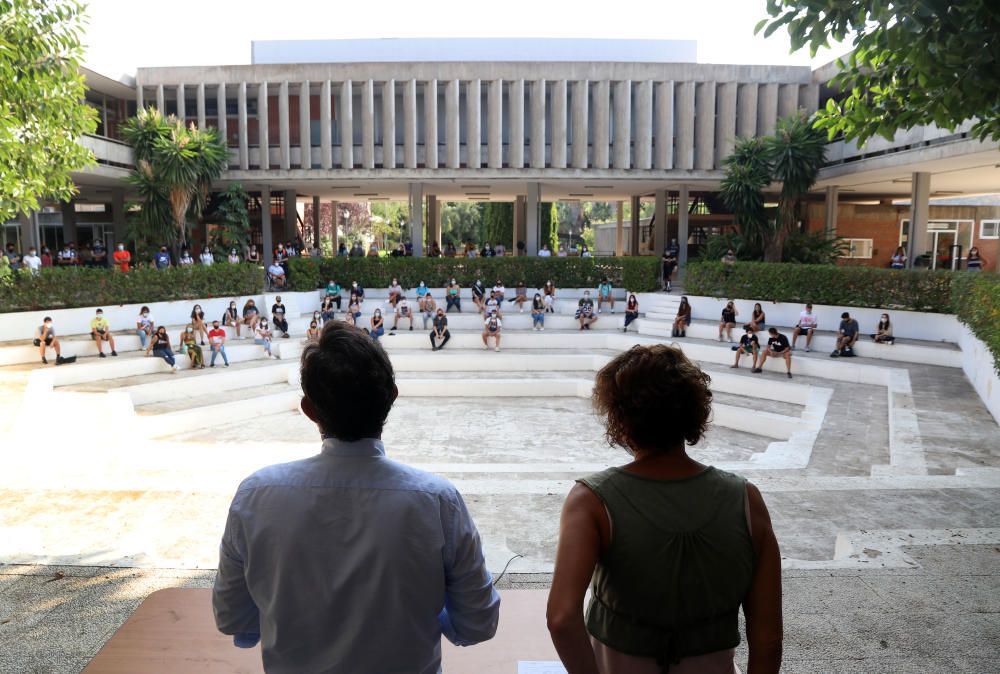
42, 108
747, 173
914, 62
175, 168
461, 221
498, 222
233, 221
600, 211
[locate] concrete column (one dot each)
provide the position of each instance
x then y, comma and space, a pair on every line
519, 230
263, 150
602, 130
538, 124
29, 238
767, 108
643, 125
704, 126
452, 128
417, 218
284, 127
830, 211
325, 125
664, 145
473, 132
918, 241
531, 218
220, 120
725, 122
430, 124
316, 222
623, 125
305, 126
581, 110
495, 123
410, 124
746, 110
265, 225
335, 236
558, 158
788, 99
682, 226
118, 213
433, 221
346, 109
660, 214
636, 208
809, 98
291, 224
69, 221
684, 109
620, 228
389, 124
200, 98
139, 102
181, 103
368, 124
515, 96
159, 99
241, 102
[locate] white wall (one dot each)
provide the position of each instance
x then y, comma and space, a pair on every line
977, 363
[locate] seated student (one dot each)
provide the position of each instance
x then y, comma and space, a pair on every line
278, 316
749, 345
631, 311
520, 296
359, 291
198, 322
777, 347
350, 320
395, 292
354, 307
318, 317
326, 310
499, 290
428, 308
144, 326
585, 312
807, 324
333, 293
683, 318
217, 343
439, 330
189, 343
46, 338
549, 296
276, 275
159, 344
847, 335
100, 332
454, 297
422, 291
491, 328
538, 313
251, 315
479, 295
493, 304
758, 319
312, 334
403, 311
262, 336
605, 294
377, 328
883, 332
231, 318
729, 314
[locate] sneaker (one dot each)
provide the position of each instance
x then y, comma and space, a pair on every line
789, 375
114, 353
44, 361
808, 349
497, 349
612, 311
598, 311
835, 354
756, 370
226, 365
720, 338
411, 329
211, 365
793, 347
486, 346
521, 311
734, 367
542, 329
102, 355
285, 335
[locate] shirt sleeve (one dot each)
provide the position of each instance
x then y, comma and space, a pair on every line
472, 605
234, 608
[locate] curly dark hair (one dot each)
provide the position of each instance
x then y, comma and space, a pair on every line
653, 397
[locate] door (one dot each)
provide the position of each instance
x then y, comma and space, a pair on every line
942, 243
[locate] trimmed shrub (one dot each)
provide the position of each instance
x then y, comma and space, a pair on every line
923, 290
56, 288
976, 298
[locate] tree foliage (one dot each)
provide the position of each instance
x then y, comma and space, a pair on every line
498, 222
914, 62
42, 108
232, 220
461, 222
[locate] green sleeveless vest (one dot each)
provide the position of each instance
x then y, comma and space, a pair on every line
679, 565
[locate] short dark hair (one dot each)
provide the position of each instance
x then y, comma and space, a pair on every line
773, 330
653, 397
845, 315
348, 378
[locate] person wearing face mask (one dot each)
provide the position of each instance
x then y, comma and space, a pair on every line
333, 293
395, 292
585, 311
234, 257
251, 315
326, 310
453, 297
198, 322
99, 256
144, 326
278, 316
217, 342
262, 336
354, 308
159, 344
491, 328
312, 334
121, 258
377, 325
186, 259
358, 290
46, 338
403, 311
478, 293
883, 331
100, 332
429, 308
421, 291
231, 318
189, 343
439, 331
631, 311
162, 259
206, 257
32, 262
538, 313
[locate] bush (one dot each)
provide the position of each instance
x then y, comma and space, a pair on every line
86, 287
824, 284
637, 274
976, 298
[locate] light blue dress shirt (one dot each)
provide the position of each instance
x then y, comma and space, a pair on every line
348, 562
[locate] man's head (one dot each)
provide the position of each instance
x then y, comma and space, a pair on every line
215, 325
845, 316
47, 320
773, 332
348, 384
100, 313
163, 249
809, 308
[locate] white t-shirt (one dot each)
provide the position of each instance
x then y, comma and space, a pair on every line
207, 258
276, 270
495, 321
403, 307
32, 262
807, 320
545, 252
144, 321
500, 290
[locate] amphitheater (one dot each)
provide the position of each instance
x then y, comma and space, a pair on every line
882, 472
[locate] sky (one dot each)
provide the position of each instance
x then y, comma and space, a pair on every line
124, 34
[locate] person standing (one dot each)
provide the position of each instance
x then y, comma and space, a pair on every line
46, 338
777, 347
162, 258
545, 252
217, 342
121, 258
898, 259
32, 262
439, 331
974, 262
234, 256
206, 258
100, 332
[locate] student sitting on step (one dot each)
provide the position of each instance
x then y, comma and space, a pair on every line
231, 318
189, 343
493, 304
403, 312
683, 318
749, 346
439, 331
520, 296
217, 343
549, 296
491, 328
777, 347
453, 298
46, 338
585, 312
262, 336
395, 292
428, 308
605, 295
100, 332
479, 295
278, 316
377, 325
847, 335
537, 313
631, 311
883, 331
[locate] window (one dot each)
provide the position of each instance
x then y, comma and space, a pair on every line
989, 229
857, 248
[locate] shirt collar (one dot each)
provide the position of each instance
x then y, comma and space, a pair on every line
365, 447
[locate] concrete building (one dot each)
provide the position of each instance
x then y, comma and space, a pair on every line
525, 121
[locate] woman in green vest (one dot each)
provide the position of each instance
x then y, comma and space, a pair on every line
671, 548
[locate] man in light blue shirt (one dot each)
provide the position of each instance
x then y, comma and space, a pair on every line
348, 562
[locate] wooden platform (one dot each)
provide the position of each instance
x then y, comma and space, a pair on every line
173, 631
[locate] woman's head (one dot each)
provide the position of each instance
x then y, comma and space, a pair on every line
900, 251
378, 313
395, 281
251, 303
729, 304
312, 325
197, 308
263, 323
538, 297
653, 398
757, 308
232, 304
885, 319
144, 311
632, 299
684, 301
974, 251
161, 331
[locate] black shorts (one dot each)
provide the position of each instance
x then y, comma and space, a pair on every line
48, 341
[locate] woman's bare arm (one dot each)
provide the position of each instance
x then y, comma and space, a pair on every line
762, 606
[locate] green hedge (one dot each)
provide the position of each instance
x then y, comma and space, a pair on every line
86, 287
923, 290
976, 298
637, 274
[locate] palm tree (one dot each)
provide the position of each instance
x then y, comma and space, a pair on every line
175, 168
747, 173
